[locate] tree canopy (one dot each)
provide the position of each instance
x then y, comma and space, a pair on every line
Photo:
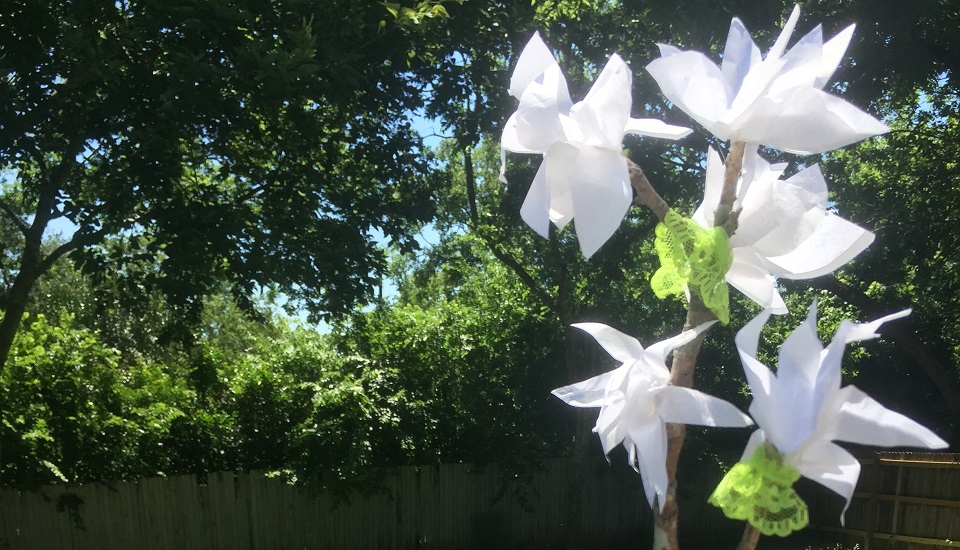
258, 143
207, 151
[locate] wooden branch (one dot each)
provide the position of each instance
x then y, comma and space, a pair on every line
545, 298
751, 536
685, 361
646, 194
78, 241
725, 216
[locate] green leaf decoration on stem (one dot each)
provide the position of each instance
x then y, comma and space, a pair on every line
695, 258
760, 491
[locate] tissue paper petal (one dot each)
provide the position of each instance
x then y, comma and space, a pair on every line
829, 465
863, 420
601, 192
655, 128
589, 393
650, 442
622, 347
687, 406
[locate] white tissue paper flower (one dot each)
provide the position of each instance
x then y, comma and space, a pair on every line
775, 101
784, 227
583, 174
636, 401
802, 409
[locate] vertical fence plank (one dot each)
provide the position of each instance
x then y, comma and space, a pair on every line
871, 518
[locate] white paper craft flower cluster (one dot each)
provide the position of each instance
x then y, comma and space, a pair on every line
785, 229
777, 100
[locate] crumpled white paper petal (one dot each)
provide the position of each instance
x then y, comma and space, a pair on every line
603, 113
834, 242
776, 51
655, 128
833, 51
807, 121
535, 209
831, 466
800, 365
620, 346
649, 447
862, 420
756, 438
510, 141
829, 378
755, 282
688, 406
776, 101
693, 83
712, 188
739, 55
601, 193
589, 393
662, 349
535, 60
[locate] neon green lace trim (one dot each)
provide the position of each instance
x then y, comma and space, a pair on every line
695, 258
760, 491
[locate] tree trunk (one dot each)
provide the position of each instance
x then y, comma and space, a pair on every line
19, 296
32, 264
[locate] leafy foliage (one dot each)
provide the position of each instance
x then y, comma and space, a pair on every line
209, 152
71, 412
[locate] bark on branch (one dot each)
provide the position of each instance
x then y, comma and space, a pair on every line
32, 263
646, 194
685, 357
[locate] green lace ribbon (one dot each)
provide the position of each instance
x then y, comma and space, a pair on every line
760, 491
695, 258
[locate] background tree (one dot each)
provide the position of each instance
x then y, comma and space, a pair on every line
257, 143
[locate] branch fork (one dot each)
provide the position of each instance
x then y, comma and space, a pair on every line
685, 357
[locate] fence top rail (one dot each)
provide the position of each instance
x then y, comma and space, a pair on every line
919, 460
921, 463
913, 455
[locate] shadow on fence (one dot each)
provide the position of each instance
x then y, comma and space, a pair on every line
448, 506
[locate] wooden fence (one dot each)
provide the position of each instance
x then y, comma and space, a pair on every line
903, 500
449, 506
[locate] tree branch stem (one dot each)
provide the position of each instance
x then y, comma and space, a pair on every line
685, 357
751, 536
646, 194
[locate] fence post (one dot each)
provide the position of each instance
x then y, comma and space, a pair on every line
872, 509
